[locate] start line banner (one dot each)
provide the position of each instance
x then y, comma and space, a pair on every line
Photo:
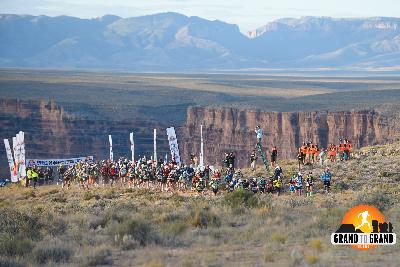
56, 162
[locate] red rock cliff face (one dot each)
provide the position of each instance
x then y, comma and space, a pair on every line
230, 129
51, 132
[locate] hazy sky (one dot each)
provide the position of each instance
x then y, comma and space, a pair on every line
248, 14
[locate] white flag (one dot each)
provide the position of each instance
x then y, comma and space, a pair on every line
21, 148
16, 156
155, 146
111, 150
10, 160
173, 144
132, 146
201, 147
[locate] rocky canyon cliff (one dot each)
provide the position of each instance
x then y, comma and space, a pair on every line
52, 132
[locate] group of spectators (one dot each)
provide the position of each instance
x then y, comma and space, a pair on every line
310, 153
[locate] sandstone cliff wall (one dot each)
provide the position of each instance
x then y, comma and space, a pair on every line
228, 129
51, 132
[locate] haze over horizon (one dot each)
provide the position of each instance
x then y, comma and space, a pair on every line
248, 16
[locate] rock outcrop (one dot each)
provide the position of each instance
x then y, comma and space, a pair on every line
52, 132
228, 129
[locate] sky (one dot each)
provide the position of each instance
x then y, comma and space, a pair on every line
247, 14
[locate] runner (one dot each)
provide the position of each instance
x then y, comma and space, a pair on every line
274, 155
326, 178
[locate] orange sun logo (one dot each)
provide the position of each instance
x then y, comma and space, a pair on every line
365, 219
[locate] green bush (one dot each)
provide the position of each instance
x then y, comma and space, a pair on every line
53, 224
380, 199
204, 217
30, 194
298, 202
14, 222
174, 229
5, 262
110, 194
51, 253
241, 198
59, 198
340, 187
12, 246
140, 230
98, 256
88, 195
50, 192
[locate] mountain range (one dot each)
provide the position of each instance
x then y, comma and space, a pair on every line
172, 41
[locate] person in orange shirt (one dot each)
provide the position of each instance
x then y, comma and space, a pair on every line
341, 151
303, 149
308, 153
332, 153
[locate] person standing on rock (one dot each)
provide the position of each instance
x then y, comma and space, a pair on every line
253, 159
259, 134
274, 155
322, 156
231, 161
300, 159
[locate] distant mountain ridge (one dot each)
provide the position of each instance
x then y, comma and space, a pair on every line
171, 41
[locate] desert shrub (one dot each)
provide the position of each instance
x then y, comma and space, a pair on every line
53, 224
14, 222
59, 198
296, 256
50, 192
96, 222
88, 195
52, 252
165, 217
110, 194
268, 256
329, 202
98, 256
340, 187
176, 199
265, 200
316, 244
171, 231
6, 262
311, 259
298, 202
137, 229
12, 246
29, 194
241, 198
279, 238
328, 220
113, 216
154, 263
380, 199
174, 228
128, 190
204, 217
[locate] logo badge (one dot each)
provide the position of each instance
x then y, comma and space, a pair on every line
364, 227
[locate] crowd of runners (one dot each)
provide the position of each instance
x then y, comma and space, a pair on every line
169, 176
